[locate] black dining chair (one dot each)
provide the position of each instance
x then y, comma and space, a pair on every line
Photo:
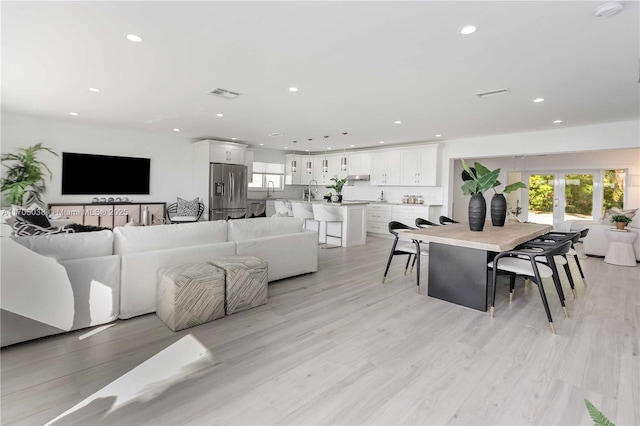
424, 223
446, 220
522, 261
410, 250
573, 252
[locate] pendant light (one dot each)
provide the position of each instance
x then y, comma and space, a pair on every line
309, 165
343, 160
325, 162
294, 163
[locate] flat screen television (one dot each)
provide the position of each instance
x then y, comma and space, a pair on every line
89, 174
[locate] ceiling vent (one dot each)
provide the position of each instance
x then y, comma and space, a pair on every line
493, 93
227, 94
609, 9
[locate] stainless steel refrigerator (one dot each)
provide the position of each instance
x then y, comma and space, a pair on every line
227, 191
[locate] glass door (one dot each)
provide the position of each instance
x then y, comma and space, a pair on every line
554, 198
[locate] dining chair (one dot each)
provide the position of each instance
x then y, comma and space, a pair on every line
424, 223
409, 249
446, 221
523, 262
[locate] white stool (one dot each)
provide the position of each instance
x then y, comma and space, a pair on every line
304, 211
620, 251
283, 207
322, 214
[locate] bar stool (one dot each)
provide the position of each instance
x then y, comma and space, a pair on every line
322, 214
304, 211
283, 207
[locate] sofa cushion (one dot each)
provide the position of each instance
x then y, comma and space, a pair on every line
134, 239
635, 222
70, 246
245, 229
613, 211
35, 216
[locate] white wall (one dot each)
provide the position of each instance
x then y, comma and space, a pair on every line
170, 153
597, 137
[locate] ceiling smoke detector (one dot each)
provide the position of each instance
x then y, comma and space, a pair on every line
227, 94
609, 8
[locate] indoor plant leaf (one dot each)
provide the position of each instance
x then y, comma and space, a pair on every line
512, 187
599, 419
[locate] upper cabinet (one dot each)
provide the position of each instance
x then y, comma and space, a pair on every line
385, 167
293, 169
226, 152
359, 163
419, 166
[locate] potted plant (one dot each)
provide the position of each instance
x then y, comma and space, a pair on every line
479, 181
620, 220
25, 180
498, 201
339, 183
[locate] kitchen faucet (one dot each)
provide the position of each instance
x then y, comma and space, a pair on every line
315, 185
273, 188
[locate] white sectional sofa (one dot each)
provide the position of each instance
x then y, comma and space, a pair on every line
85, 279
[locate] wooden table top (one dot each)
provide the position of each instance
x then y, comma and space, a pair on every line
492, 238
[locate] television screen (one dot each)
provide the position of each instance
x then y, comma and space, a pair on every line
88, 174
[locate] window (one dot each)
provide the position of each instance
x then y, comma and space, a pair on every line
264, 173
613, 189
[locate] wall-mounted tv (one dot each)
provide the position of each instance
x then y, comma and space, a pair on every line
88, 174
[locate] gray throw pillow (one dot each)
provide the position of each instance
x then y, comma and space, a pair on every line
188, 208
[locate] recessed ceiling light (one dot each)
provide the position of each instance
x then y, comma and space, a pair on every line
329, 149
293, 89
538, 100
438, 136
397, 122
233, 139
352, 146
557, 121
73, 113
220, 115
94, 90
134, 38
286, 147
381, 142
176, 130
261, 144
307, 150
469, 29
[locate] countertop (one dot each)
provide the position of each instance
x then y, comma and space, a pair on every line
349, 202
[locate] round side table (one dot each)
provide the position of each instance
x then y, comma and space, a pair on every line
620, 251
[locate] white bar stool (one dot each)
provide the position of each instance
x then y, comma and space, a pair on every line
283, 207
304, 211
322, 214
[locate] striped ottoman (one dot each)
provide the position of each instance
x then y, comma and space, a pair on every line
190, 295
246, 281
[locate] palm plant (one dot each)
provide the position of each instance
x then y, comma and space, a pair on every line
26, 178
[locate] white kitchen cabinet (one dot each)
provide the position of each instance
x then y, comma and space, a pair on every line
305, 175
359, 164
407, 214
318, 174
386, 168
226, 152
419, 166
378, 218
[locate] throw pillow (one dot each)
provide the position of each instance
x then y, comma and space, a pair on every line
606, 219
35, 216
188, 208
635, 222
22, 228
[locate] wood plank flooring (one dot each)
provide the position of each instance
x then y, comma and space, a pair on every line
338, 347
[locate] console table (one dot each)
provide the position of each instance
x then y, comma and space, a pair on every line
106, 215
458, 257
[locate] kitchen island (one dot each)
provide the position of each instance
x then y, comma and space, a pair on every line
354, 222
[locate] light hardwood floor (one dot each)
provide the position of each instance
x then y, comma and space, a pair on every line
338, 347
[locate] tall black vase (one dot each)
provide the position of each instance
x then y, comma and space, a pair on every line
498, 209
477, 212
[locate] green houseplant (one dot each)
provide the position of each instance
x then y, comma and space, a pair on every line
338, 184
26, 178
481, 179
620, 220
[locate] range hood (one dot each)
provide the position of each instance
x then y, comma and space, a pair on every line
358, 177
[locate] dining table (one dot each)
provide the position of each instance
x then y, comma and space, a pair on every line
458, 257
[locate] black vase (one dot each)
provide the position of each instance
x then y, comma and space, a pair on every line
498, 209
477, 212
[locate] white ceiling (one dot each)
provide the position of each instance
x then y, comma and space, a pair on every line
359, 67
